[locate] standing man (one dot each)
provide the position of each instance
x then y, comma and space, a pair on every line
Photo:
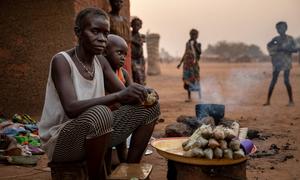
280, 49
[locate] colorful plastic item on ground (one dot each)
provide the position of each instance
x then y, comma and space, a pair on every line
14, 131
36, 150
17, 118
24, 160
22, 139
28, 119
31, 127
24, 119
2, 119
34, 141
247, 145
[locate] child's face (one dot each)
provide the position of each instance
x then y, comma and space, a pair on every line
281, 29
194, 35
117, 4
116, 55
136, 26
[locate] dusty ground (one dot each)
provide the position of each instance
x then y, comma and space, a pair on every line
243, 89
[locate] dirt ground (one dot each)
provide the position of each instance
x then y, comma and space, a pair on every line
242, 88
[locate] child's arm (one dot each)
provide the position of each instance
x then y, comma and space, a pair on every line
137, 40
134, 41
127, 78
272, 46
291, 47
181, 61
198, 48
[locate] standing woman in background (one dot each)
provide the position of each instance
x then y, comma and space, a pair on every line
191, 69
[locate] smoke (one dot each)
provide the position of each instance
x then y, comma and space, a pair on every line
234, 87
211, 90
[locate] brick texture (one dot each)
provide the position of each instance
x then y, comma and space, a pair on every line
31, 32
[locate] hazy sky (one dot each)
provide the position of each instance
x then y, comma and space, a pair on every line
249, 21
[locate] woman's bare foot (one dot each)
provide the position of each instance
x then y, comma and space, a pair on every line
267, 104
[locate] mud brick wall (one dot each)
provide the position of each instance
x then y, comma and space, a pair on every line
103, 4
31, 32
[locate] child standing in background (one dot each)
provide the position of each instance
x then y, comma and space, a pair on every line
191, 67
280, 49
137, 55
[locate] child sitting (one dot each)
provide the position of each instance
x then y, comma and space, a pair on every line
116, 52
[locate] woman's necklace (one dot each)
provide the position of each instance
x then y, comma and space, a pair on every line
91, 73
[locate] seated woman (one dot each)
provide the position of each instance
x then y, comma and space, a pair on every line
76, 123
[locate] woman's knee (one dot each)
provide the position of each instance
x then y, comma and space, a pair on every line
153, 112
99, 118
156, 109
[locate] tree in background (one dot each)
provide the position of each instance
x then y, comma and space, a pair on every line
234, 51
165, 56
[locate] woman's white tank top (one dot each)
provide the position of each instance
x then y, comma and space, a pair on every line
53, 117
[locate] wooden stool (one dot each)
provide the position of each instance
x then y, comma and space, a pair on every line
131, 171
68, 171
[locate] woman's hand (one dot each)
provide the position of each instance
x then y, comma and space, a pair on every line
152, 98
151, 90
134, 93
